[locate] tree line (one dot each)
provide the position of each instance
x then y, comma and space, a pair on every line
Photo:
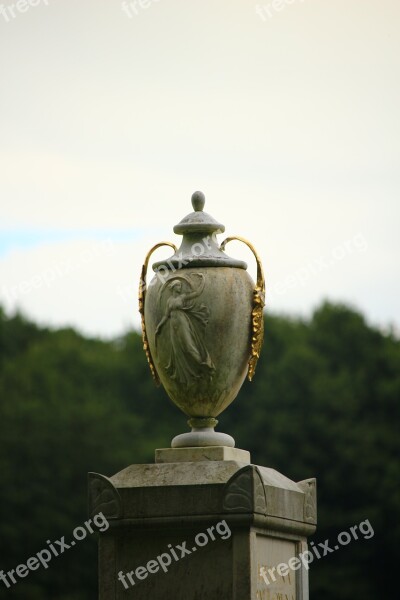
325, 403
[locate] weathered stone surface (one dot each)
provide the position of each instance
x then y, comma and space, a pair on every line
180, 473
309, 486
210, 453
245, 492
103, 497
165, 504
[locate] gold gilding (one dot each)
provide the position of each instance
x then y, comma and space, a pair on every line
142, 299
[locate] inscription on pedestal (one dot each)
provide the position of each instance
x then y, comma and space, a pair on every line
278, 583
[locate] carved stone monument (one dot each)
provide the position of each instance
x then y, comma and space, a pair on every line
202, 522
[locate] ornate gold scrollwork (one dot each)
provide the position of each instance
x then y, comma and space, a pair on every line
142, 299
257, 316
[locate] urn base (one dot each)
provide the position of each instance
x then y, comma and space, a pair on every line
202, 436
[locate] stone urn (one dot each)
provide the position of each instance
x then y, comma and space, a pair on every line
202, 324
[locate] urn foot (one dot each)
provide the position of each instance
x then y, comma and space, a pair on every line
202, 434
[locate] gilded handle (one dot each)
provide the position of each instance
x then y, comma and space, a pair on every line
257, 315
142, 300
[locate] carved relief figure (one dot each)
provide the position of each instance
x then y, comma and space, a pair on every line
183, 326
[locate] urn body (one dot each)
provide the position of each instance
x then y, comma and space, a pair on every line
198, 322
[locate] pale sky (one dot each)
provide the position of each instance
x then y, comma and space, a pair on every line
284, 113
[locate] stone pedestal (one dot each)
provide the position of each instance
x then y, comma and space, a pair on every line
202, 524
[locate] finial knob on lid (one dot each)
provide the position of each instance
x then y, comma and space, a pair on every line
198, 221
198, 201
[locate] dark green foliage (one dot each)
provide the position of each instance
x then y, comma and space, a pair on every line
325, 402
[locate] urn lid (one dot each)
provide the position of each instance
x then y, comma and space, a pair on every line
198, 221
199, 246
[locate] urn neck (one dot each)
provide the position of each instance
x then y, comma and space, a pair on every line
199, 250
